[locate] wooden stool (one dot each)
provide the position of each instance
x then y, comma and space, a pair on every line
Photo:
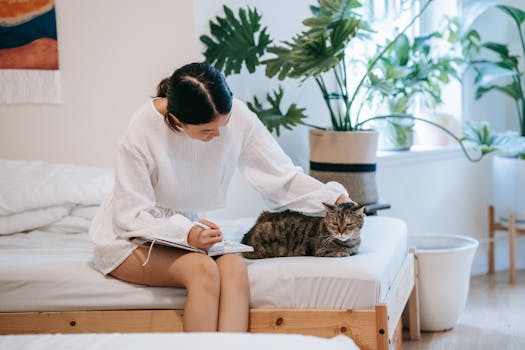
513, 232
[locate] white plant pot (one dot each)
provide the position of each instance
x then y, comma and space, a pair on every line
444, 263
347, 157
508, 188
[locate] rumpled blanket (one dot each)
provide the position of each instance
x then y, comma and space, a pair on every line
50, 197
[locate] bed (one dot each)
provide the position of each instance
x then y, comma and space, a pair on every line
48, 285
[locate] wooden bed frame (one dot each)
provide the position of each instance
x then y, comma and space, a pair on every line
378, 328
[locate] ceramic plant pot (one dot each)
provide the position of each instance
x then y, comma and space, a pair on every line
508, 188
348, 157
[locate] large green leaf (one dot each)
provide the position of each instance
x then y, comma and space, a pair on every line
512, 90
421, 43
401, 50
398, 105
479, 134
517, 14
272, 117
489, 72
330, 11
500, 49
320, 48
235, 41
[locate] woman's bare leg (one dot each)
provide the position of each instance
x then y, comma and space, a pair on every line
197, 272
235, 294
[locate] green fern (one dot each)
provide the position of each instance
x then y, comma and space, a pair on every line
236, 40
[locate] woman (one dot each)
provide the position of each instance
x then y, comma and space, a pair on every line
177, 158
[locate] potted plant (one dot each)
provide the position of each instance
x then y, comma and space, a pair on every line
345, 151
317, 53
411, 68
504, 74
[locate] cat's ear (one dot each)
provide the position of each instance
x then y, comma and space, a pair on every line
359, 209
329, 207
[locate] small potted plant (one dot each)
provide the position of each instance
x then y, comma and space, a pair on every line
411, 68
503, 74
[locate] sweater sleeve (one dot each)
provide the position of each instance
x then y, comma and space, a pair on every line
134, 206
284, 186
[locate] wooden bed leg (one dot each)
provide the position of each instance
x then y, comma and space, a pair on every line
410, 315
492, 230
382, 327
397, 339
413, 314
512, 248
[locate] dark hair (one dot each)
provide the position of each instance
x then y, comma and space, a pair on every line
196, 94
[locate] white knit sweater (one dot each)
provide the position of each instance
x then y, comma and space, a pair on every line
163, 178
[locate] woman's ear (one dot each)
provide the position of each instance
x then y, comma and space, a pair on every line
176, 120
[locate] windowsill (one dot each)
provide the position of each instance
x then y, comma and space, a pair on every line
418, 154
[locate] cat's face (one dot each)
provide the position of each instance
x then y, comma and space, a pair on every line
344, 221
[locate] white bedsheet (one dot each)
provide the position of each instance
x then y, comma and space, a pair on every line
160, 341
49, 271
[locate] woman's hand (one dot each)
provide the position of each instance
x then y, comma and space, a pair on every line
204, 239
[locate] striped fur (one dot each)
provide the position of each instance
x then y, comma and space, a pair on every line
289, 233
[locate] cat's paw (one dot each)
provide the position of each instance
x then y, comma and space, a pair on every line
341, 254
333, 254
353, 252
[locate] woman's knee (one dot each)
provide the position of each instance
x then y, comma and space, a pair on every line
203, 273
233, 269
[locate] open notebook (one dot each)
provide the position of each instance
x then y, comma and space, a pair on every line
221, 248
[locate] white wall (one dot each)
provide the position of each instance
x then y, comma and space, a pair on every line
112, 55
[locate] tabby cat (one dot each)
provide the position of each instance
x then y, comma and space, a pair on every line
289, 233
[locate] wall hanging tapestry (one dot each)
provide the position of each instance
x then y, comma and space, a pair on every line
28, 52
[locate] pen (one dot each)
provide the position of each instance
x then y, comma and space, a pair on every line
200, 224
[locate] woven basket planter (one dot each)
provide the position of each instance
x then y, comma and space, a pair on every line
348, 157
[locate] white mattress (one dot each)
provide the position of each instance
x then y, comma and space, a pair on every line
45, 271
159, 341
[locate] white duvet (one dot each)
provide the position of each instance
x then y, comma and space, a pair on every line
50, 197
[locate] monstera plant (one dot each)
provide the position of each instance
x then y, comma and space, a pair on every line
318, 53
315, 53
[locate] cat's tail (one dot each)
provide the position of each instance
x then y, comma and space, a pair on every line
250, 255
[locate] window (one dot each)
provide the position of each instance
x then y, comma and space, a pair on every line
388, 18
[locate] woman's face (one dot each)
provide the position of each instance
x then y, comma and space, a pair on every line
206, 132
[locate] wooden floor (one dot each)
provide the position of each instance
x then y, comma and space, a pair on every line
494, 318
